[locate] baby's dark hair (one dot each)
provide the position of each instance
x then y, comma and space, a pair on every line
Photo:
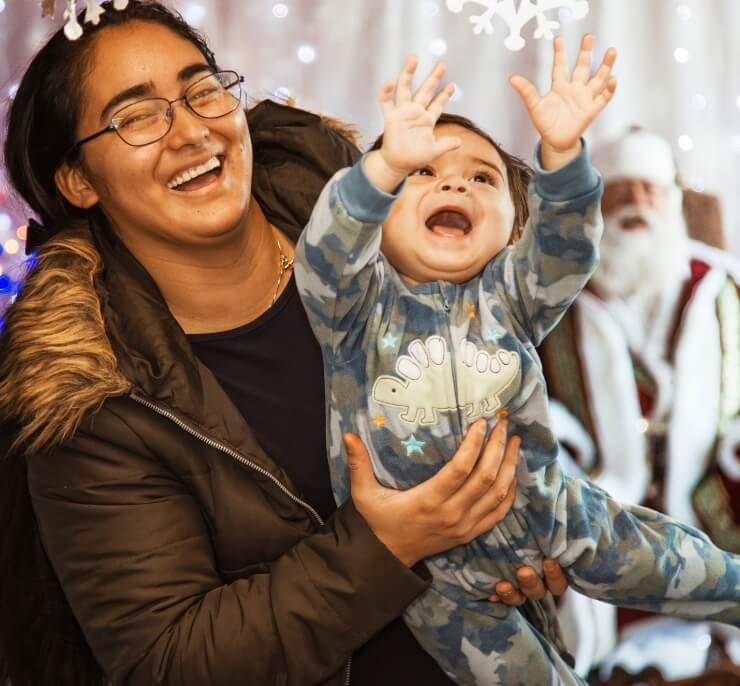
518, 171
43, 119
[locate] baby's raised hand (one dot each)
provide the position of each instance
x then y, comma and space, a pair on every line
409, 118
562, 116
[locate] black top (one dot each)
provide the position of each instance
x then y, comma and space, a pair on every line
272, 371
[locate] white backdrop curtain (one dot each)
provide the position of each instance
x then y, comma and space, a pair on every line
358, 44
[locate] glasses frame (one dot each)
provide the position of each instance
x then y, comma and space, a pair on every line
169, 114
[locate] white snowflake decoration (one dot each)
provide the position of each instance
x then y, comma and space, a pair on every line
517, 17
72, 27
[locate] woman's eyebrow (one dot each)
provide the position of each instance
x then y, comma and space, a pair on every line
186, 73
140, 90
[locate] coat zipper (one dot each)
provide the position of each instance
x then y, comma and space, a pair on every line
244, 461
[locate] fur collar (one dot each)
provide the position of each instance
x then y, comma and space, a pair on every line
68, 341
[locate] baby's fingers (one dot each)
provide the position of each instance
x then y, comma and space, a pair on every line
426, 91
582, 70
603, 98
445, 144
386, 98
527, 92
603, 74
437, 106
405, 78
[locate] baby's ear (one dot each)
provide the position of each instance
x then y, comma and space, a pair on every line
73, 184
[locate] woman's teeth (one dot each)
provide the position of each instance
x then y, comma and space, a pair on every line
194, 172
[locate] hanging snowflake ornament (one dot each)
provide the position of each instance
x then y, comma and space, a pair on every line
517, 17
72, 28
93, 12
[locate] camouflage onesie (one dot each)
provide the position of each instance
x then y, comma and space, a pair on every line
409, 367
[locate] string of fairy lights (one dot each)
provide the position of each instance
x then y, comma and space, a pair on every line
14, 262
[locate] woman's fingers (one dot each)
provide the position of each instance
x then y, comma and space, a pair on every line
530, 584
556, 582
448, 480
361, 475
509, 594
582, 70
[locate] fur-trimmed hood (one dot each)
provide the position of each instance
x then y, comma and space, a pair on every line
90, 323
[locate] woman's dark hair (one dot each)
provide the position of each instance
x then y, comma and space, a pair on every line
518, 171
41, 643
43, 119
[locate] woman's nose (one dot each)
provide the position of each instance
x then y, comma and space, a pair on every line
187, 127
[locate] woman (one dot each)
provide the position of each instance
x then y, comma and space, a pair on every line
162, 395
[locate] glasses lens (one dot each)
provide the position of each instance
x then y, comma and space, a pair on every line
142, 122
215, 95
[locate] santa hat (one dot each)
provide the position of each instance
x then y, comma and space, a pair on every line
636, 154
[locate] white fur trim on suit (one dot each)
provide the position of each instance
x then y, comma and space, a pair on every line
636, 155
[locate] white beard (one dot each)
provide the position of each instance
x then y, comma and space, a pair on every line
645, 259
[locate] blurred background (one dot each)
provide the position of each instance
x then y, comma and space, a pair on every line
678, 71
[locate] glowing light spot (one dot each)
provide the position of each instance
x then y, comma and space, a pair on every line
13, 88
438, 47
565, 14
681, 55
698, 184
736, 143
683, 12
457, 95
699, 101
194, 13
12, 246
428, 8
282, 93
22, 232
280, 10
306, 54
5, 223
686, 143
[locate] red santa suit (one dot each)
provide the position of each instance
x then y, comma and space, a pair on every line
645, 396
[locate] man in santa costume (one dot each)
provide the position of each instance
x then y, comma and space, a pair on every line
644, 376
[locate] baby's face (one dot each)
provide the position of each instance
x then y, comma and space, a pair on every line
453, 216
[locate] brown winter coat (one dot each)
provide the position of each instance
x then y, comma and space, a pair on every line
180, 545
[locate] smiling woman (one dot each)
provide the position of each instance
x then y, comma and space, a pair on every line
165, 501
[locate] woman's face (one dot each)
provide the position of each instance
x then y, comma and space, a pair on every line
136, 186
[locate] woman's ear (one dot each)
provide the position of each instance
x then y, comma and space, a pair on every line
74, 186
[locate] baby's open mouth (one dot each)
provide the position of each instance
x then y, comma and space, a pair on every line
449, 223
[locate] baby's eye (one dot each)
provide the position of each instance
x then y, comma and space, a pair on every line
424, 171
482, 177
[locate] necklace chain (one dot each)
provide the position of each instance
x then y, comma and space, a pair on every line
285, 264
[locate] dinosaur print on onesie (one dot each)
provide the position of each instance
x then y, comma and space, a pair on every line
432, 379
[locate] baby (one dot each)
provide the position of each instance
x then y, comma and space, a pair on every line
428, 315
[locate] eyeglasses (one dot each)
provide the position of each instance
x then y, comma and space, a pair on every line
147, 121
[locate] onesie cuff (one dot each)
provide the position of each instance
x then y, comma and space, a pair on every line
578, 177
362, 200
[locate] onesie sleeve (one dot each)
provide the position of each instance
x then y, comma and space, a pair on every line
337, 267
540, 276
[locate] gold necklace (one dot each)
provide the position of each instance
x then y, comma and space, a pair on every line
284, 264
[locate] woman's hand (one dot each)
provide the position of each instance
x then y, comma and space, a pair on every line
409, 118
531, 586
562, 116
467, 497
